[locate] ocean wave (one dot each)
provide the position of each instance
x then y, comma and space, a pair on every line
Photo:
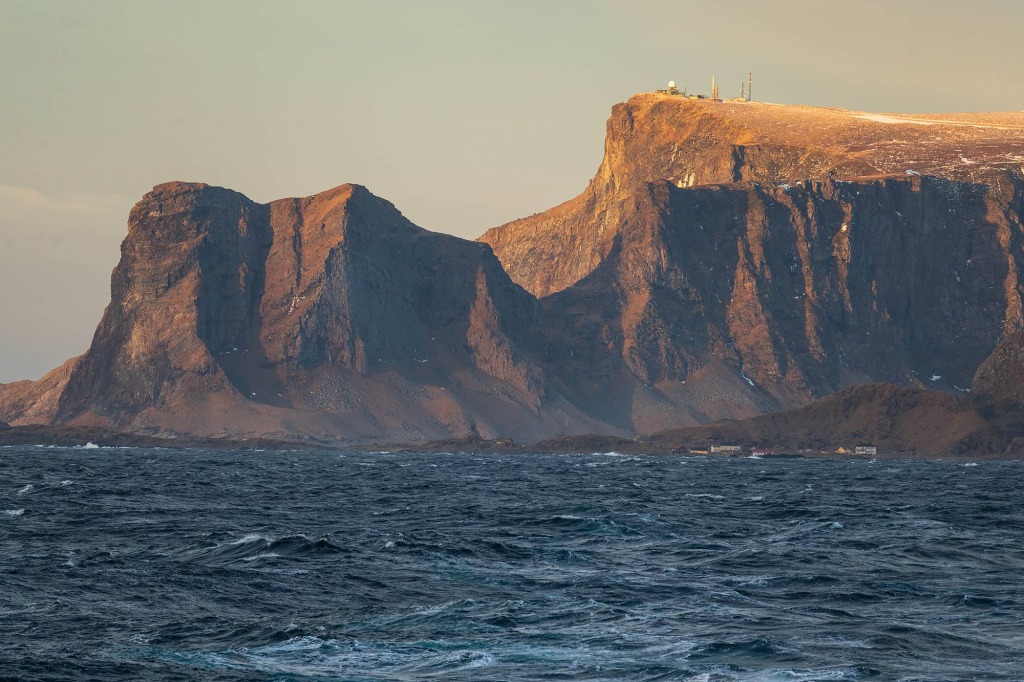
280, 566
255, 546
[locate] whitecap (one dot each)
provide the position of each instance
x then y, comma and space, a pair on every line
267, 555
27, 489
90, 446
758, 498
14, 512
66, 483
968, 464
708, 496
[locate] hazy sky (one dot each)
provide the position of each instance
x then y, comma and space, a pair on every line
463, 114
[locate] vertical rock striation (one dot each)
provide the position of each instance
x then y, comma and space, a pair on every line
727, 260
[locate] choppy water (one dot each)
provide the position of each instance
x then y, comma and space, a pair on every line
161, 564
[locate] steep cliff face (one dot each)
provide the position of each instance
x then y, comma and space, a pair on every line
784, 252
728, 260
330, 316
689, 143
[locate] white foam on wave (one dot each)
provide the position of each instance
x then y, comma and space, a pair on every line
90, 446
707, 496
266, 555
14, 512
26, 490
971, 464
757, 498
305, 655
65, 484
452, 661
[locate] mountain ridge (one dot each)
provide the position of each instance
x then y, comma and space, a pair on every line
713, 269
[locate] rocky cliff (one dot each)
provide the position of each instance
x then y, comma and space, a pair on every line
728, 260
693, 143
331, 317
787, 251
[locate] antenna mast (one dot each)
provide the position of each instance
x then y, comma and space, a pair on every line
750, 85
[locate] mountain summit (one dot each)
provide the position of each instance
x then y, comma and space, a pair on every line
727, 260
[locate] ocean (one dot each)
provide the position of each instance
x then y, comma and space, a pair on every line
160, 564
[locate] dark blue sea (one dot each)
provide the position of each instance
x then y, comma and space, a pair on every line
153, 564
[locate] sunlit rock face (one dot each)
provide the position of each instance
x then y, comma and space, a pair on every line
727, 260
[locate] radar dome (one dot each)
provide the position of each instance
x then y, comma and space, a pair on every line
671, 85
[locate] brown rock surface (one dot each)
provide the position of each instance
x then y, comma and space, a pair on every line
690, 143
728, 260
795, 250
896, 419
329, 317
1000, 379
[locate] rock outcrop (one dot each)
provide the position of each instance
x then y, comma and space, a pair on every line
999, 380
896, 419
728, 260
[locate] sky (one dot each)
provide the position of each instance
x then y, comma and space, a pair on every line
465, 115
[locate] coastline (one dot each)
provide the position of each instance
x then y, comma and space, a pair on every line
89, 437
